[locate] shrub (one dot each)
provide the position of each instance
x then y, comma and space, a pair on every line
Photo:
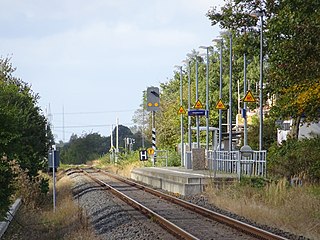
7, 188
296, 158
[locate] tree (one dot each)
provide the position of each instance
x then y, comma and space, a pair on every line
291, 47
91, 146
23, 134
88, 147
294, 60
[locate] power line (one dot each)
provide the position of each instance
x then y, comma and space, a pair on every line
98, 112
85, 126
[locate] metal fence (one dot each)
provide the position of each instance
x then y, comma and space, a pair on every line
251, 164
162, 158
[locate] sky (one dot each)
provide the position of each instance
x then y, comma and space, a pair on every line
90, 61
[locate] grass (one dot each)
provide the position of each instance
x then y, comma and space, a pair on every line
294, 209
67, 222
123, 167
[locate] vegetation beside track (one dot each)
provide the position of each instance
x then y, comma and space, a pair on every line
295, 209
37, 220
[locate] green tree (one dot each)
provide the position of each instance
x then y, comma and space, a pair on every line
269, 133
79, 150
23, 134
296, 158
290, 46
88, 147
294, 60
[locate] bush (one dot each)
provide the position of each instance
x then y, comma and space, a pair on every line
296, 158
7, 188
255, 182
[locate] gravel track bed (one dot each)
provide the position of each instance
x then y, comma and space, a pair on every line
136, 230
196, 224
202, 200
110, 217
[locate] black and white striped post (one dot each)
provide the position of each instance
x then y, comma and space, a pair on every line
153, 103
154, 146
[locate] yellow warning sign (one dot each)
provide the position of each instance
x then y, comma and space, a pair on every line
220, 105
198, 105
150, 151
181, 110
249, 97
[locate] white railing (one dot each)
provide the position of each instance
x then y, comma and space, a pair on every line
163, 156
254, 164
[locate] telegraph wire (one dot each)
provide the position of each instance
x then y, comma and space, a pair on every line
98, 112
85, 126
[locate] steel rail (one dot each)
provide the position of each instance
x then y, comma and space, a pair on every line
169, 226
247, 228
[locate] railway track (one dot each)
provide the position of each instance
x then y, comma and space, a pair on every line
182, 219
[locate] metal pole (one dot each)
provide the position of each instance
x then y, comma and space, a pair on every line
189, 106
181, 122
117, 139
261, 84
111, 144
245, 133
154, 137
63, 129
142, 132
54, 179
197, 98
230, 95
207, 101
220, 96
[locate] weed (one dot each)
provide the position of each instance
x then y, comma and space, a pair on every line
69, 221
294, 209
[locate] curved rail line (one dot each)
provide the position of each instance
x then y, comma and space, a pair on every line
174, 229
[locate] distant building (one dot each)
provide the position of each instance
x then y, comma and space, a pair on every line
305, 130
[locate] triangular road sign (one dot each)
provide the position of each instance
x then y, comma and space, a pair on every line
249, 97
220, 105
181, 110
198, 105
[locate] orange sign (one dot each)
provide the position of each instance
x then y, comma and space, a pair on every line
181, 110
220, 105
249, 97
198, 105
150, 151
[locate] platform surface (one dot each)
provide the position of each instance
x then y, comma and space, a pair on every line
178, 179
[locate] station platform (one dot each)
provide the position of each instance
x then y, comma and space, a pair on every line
179, 180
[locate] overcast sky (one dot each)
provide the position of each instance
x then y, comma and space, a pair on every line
93, 59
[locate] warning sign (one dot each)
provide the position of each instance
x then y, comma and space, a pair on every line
220, 105
198, 105
181, 110
150, 151
249, 97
